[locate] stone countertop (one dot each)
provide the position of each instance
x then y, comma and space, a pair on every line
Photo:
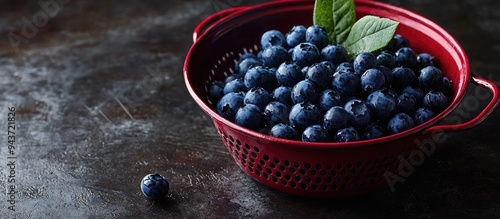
100, 102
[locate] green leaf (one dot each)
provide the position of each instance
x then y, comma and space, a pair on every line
344, 17
369, 34
323, 15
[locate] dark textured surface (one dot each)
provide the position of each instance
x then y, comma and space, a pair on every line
100, 102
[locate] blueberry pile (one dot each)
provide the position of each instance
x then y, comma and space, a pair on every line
301, 87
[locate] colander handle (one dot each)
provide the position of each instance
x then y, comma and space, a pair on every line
213, 19
484, 83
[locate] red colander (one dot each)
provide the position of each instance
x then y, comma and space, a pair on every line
323, 169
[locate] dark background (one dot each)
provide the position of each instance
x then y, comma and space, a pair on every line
100, 102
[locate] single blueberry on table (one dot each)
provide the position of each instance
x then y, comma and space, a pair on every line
372, 131
336, 118
249, 116
317, 35
382, 103
315, 133
400, 123
430, 78
363, 62
348, 134
284, 131
275, 113
335, 54
259, 76
402, 77
273, 56
346, 83
216, 91
296, 36
289, 74
423, 115
303, 115
360, 112
397, 42
154, 186
372, 80
235, 85
328, 99
283, 94
306, 54
229, 104
257, 96
272, 38
304, 91
436, 101
320, 74
406, 57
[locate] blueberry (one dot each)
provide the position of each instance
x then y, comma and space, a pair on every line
317, 35
363, 62
272, 38
304, 91
383, 104
423, 115
336, 118
275, 113
273, 56
320, 74
284, 131
315, 133
360, 112
334, 53
283, 94
406, 103
304, 71
257, 96
303, 115
235, 85
372, 131
424, 60
231, 77
406, 57
249, 116
328, 99
345, 67
229, 104
296, 36
400, 123
330, 65
259, 77
445, 86
306, 54
430, 78
242, 67
373, 79
397, 42
386, 59
436, 101
346, 83
387, 74
216, 91
402, 77
289, 74
247, 55
416, 92
154, 186
348, 134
